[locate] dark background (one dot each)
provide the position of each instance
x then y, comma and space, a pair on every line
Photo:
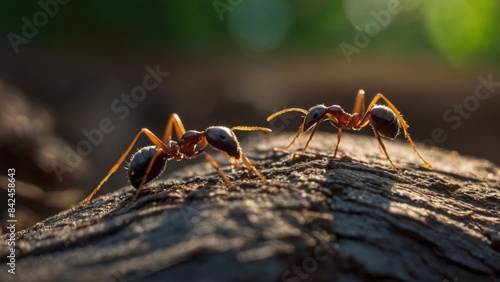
231, 63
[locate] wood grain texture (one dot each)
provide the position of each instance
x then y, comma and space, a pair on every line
346, 219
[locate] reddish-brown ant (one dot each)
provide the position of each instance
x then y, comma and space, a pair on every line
385, 121
149, 162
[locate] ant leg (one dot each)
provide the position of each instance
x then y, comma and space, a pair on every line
247, 162
315, 128
359, 103
173, 121
383, 149
235, 164
403, 123
252, 168
339, 135
299, 132
156, 141
219, 170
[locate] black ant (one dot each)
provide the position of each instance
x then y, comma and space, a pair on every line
385, 121
149, 162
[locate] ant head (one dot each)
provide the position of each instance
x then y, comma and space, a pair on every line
314, 115
222, 138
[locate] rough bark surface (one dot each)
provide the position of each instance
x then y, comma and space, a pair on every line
346, 219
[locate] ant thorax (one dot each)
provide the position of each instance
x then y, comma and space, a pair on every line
342, 118
175, 150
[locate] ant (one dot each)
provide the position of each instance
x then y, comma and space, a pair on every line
385, 121
149, 162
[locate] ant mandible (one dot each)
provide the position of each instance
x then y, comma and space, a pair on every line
149, 162
385, 121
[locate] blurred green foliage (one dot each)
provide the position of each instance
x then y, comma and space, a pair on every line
458, 31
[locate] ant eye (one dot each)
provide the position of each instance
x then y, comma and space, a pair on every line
222, 136
315, 115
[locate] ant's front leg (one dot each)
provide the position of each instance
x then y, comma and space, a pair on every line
219, 170
252, 168
234, 163
300, 130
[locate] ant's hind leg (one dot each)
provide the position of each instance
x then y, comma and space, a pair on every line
402, 121
156, 141
385, 151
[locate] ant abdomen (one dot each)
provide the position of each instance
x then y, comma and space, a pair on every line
140, 163
384, 120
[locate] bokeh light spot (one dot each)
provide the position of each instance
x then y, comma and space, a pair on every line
361, 14
260, 25
458, 28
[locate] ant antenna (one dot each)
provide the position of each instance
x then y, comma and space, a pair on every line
251, 128
269, 118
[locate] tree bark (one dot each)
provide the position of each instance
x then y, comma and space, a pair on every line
351, 218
